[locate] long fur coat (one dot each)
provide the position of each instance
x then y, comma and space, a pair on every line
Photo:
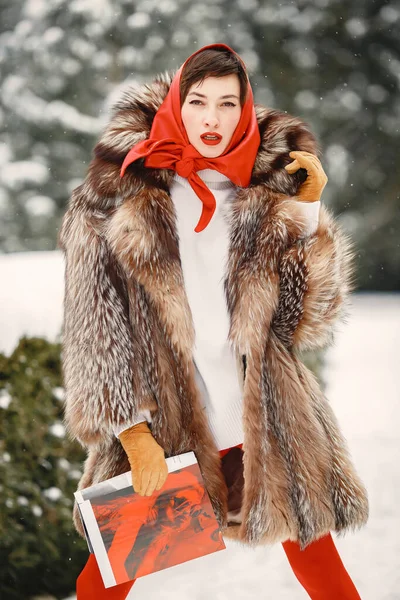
128, 333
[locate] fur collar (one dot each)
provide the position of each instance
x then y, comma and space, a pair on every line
131, 121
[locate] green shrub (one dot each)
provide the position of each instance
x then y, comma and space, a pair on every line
39, 469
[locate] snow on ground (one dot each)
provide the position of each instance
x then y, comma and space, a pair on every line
31, 296
361, 372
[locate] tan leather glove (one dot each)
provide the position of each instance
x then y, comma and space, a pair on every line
312, 188
146, 458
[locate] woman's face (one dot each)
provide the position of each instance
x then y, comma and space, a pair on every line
212, 107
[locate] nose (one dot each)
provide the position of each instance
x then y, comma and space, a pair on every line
211, 120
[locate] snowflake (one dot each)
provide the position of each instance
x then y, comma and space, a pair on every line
139, 20
37, 511
53, 494
5, 399
57, 429
59, 393
75, 474
40, 206
64, 464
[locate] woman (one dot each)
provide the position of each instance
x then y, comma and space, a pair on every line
178, 340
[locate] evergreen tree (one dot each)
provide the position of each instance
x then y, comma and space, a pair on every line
337, 64
39, 470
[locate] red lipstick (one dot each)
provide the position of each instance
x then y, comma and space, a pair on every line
211, 138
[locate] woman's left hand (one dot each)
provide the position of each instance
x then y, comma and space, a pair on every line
312, 188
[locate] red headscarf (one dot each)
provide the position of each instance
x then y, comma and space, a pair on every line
168, 146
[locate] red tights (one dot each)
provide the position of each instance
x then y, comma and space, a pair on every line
318, 568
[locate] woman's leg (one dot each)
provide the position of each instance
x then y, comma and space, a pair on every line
226, 450
90, 586
320, 570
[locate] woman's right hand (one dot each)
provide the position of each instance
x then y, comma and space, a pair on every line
146, 458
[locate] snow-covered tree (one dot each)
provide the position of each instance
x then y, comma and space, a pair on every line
335, 63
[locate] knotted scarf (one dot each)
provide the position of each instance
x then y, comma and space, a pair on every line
168, 146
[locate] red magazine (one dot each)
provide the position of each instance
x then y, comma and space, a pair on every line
132, 536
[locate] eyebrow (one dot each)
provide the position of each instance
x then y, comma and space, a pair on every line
221, 97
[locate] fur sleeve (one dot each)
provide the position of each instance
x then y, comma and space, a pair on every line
101, 355
316, 279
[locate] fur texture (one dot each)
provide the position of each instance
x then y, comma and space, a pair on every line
128, 332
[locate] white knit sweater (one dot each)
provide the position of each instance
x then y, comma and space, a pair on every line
203, 256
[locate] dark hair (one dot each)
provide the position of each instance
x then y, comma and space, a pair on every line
212, 63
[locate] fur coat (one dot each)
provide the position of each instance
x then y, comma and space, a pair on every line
128, 333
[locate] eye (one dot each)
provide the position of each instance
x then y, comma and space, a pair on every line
230, 104
195, 101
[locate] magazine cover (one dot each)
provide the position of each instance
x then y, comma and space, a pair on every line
132, 535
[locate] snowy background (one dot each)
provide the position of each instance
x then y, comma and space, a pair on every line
361, 370
333, 63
